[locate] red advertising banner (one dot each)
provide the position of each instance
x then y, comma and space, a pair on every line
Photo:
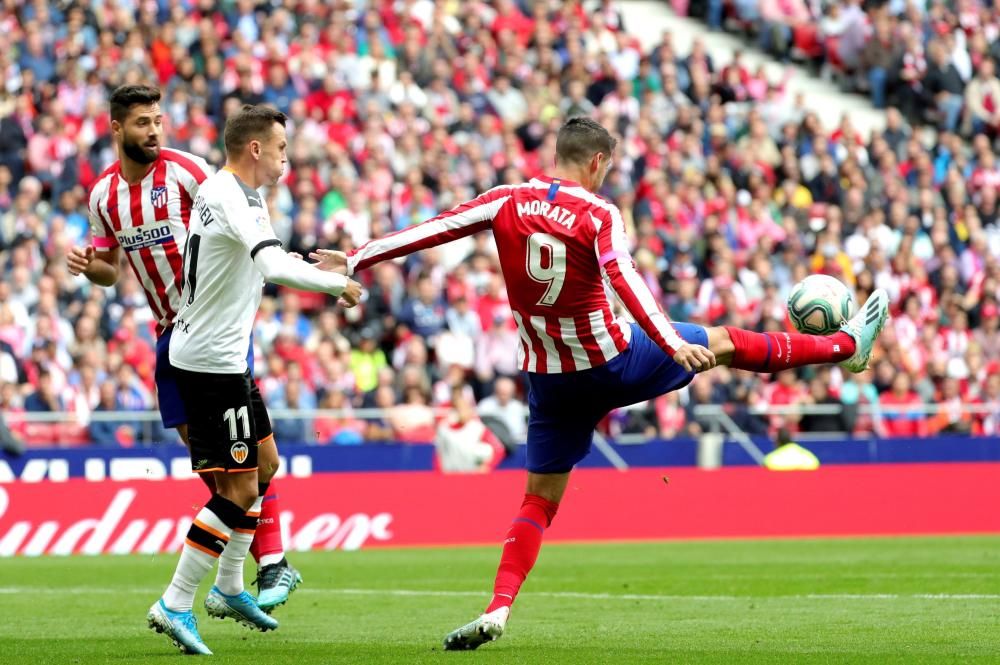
354, 510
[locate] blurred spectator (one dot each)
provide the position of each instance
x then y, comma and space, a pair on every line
789, 456
504, 412
412, 421
45, 397
112, 432
343, 430
463, 444
820, 396
981, 99
899, 419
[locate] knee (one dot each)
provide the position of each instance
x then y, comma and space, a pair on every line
268, 461
267, 469
241, 489
243, 495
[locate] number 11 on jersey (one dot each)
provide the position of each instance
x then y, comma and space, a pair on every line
231, 415
547, 265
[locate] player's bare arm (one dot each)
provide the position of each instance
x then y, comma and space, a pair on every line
99, 266
330, 260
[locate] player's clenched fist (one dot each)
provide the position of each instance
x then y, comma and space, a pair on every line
330, 260
694, 358
351, 295
79, 259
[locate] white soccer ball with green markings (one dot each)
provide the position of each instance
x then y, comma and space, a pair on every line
819, 304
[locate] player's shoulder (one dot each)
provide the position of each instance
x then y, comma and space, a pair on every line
226, 186
102, 183
252, 196
193, 165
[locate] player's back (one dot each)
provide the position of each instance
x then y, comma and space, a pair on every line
548, 236
222, 286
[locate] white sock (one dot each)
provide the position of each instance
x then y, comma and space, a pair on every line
271, 559
206, 540
230, 576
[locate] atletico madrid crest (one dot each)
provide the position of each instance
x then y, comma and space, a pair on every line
158, 196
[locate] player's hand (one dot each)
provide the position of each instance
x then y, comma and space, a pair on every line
330, 260
79, 259
351, 295
694, 358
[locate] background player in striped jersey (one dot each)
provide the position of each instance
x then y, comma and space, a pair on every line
557, 240
140, 206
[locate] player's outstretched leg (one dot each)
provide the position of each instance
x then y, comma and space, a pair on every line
777, 351
520, 551
865, 327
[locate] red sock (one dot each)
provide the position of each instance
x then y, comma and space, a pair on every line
520, 549
266, 543
777, 351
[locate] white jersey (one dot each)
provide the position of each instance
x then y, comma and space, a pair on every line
222, 285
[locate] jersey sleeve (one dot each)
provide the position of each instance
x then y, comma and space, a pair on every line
190, 170
247, 224
463, 220
102, 237
611, 247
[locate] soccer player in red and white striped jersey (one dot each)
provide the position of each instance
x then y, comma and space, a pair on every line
146, 218
558, 242
140, 207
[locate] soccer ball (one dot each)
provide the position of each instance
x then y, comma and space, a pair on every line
819, 304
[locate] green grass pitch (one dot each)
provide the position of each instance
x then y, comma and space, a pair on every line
880, 600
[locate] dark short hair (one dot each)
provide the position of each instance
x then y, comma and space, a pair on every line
250, 123
580, 138
125, 97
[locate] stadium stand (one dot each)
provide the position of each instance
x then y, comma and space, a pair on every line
732, 192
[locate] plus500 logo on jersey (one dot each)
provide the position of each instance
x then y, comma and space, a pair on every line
147, 235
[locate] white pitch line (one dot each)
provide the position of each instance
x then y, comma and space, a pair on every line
574, 595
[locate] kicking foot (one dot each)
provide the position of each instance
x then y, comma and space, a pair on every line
242, 607
180, 627
275, 583
487, 628
865, 327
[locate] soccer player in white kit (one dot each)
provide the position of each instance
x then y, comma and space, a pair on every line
230, 248
140, 208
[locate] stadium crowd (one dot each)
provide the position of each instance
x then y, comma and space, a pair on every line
936, 61
731, 188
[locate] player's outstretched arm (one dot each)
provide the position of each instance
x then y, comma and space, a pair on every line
100, 267
330, 260
462, 220
279, 267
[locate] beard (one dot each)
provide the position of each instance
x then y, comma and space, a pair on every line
139, 153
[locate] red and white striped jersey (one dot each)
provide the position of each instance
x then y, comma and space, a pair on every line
149, 221
556, 241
